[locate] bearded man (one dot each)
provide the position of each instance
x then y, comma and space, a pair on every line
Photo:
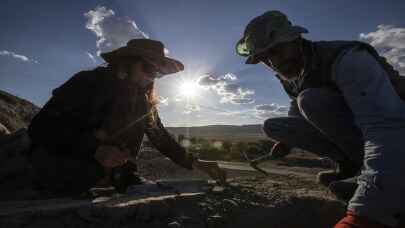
345, 104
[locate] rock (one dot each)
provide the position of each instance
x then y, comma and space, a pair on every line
15, 113
174, 225
229, 204
218, 189
3, 130
215, 221
185, 219
215, 217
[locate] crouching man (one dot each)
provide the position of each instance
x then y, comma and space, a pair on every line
346, 105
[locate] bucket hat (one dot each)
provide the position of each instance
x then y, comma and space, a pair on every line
264, 32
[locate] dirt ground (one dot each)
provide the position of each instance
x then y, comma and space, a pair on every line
288, 197
255, 201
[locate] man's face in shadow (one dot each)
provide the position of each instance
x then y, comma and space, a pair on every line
285, 58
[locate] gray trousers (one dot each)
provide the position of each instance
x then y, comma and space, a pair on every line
324, 125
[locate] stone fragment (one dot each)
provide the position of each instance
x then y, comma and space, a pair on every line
229, 204
174, 224
218, 189
3, 130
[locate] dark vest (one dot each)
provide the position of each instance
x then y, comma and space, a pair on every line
323, 55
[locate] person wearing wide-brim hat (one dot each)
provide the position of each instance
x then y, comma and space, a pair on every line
151, 51
347, 103
90, 131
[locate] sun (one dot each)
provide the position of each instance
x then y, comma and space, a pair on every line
189, 89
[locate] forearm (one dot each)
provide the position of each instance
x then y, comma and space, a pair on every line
168, 146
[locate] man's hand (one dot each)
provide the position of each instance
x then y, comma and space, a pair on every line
111, 156
212, 169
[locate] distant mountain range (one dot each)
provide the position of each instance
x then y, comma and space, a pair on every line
222, 132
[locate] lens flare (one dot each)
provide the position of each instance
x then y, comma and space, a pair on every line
189, 89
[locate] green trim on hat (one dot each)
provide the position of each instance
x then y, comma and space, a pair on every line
241, 48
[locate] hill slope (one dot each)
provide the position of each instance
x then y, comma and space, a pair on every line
222, 132
15, 113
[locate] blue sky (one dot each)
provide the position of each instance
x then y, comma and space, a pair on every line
44, 42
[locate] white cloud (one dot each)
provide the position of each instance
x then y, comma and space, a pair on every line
91, 56
178, 99
112, 32
227, 87
17, 56
191, 108
270, 110
164, 101
230, 76
389, 42
247, 114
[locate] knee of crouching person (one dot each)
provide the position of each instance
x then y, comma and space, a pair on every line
268, 126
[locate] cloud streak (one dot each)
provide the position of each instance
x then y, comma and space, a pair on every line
265, 111
227, 88
91, 56
17, 56
112, 32
261, 111
191, 108
389, 41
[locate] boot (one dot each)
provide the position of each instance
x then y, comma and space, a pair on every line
344, 170
344, 189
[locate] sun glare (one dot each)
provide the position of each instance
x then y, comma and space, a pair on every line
189, 89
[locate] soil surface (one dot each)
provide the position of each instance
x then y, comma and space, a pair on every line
287, 197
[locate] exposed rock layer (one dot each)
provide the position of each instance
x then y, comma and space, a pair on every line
15, 113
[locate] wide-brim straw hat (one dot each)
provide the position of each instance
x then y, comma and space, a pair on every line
152, 51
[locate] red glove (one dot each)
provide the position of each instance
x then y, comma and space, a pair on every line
354, 221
